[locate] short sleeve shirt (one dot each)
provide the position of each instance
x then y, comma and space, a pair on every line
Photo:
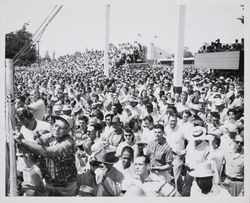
234, 165
59, 169
160, 153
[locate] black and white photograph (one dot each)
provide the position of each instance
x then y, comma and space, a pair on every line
124, 99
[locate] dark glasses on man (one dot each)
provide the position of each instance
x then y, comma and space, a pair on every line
239, 142
127, 135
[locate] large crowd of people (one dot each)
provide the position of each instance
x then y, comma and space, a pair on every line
217, 46
80, 133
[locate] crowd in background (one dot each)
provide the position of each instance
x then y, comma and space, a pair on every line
80, 133
217, 46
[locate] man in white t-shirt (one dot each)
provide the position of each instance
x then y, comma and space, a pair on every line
31, 130
176, 140
147, 129
37, 107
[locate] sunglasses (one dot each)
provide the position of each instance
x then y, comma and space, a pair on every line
239, 142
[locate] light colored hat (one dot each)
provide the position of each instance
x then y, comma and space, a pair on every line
65, 119
200, 133
203, 170
77, 109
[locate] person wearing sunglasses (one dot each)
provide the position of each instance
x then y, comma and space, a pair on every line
234, 167
129, 140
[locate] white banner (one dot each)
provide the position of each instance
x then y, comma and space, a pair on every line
217, 60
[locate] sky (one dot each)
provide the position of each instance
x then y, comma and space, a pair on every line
81, 26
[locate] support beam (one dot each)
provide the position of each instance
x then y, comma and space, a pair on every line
106, 56
178, 65
10, 126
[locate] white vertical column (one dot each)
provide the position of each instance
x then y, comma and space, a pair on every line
10, 125
106, 56
178, 65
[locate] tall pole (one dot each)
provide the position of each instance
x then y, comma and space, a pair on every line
10, 125
178, 65
106, 56
38, 53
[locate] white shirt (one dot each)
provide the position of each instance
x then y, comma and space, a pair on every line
180, 107
186, 128
28, 134
38, 109
148, 135
175, 138
216, 158
128, 174
197, 154
227, 144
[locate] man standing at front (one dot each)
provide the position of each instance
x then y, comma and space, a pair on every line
160, 154
151, 184
234, 168
57, 163
175, 139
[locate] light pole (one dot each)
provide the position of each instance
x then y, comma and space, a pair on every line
38, 54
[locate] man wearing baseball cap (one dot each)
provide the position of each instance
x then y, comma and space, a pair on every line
57, 158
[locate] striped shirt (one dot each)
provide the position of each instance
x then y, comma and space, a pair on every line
59, 169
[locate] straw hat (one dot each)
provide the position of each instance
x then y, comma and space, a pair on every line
200, 133
202, 170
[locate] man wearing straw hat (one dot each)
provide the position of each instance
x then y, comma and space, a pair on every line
198, 147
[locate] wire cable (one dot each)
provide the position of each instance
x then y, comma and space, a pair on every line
27, 45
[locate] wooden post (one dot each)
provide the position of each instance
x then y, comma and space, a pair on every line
10, 125
106, 56
178, 65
